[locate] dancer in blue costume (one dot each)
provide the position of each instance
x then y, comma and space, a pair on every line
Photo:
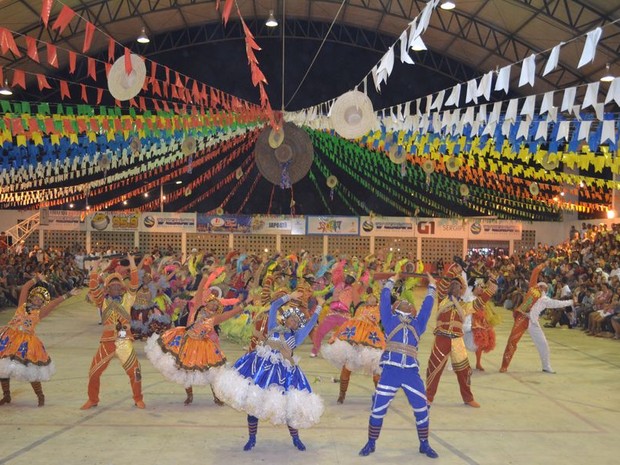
400, 364
267, 383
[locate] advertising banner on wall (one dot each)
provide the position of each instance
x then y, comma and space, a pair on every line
113, 221
64, 220
281, 224
168, 222
332, 225
387, 226
494, 230
441, 228
224, 224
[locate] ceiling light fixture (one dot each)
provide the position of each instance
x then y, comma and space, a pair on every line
143, 38
5, 89
271, 21
608, 77
447, 5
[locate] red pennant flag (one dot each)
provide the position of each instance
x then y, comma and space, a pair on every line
82, 124
88, 36
155, 88
167, 74
92, 71
128, 65
94, 125
42, 80
226, 10
166, 89
176, 107
46, 9
33, 51
111, 44
153, 71
142, 107
132, 103
84, 94
118, 103
166, 107
64, 18
108, 67
156, 104
64, 90
72, 61
7, 42
19, 79
52, 55
99, 95
177, 80
174, 92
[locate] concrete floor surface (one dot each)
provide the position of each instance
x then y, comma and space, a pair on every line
527, 417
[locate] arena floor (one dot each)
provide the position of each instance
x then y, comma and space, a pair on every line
527, 417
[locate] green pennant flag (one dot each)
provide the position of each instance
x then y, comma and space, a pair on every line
59, 109
6, 106
43, 109
70, 111
17, 108
26, 108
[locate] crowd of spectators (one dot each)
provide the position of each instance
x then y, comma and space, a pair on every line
584, 268
19, 264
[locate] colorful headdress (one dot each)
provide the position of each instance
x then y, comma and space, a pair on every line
294, 311
113, 277
40, 292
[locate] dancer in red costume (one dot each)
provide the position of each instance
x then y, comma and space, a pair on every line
116, 339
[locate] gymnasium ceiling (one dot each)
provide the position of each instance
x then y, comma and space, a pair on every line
188, 36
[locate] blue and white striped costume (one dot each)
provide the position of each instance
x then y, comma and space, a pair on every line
400, 367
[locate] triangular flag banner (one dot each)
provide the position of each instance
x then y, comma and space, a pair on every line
63, 19
552, 62
455, 96
568, 99
46, 10
89, 32
591, 95
32, 51
614, 92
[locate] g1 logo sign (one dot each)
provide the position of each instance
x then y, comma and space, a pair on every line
476, 228
426, 227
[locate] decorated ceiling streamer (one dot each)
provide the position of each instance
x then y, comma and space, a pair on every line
360, 162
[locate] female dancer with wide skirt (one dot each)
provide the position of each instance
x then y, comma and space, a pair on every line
267, 383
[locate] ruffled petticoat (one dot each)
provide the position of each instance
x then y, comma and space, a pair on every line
23, 357
266, 385
184, 360
357, 345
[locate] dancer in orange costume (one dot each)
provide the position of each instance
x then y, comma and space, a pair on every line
357, 345
191, 355
116, 339
22, 354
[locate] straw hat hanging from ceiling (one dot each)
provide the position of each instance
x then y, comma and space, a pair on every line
352, 115
125, 86
295, 153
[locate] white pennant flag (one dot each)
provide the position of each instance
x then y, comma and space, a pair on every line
563, 130
528, 71
552, 62
584, 130
404, 54
482, 113
541, 132
569, 98
497, 109
503, 79
553, 114
472, 88
468, 116
599, 109
511, 111
455, 96
614, 92
591, 95
528, 107
438, 103
589, 49
547, 102
524, 128
486, 83
609, 131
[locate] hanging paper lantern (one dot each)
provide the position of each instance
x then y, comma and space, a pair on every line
453, 164
428, 166
188, 147
534, 189
219, 211
464, 190
397, 156
548, 163
188, 191
332, 181
276, 137
239, 173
